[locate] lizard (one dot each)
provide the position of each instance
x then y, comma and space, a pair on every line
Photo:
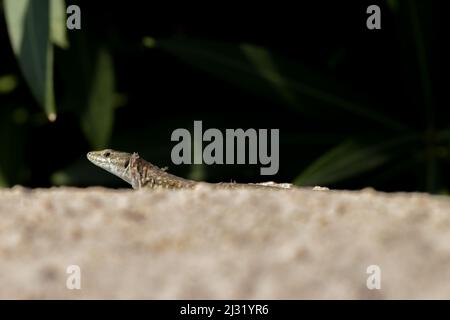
141, 174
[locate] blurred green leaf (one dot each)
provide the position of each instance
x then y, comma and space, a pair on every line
58, 28
7, 83
89, 86
29, 32
263, 62
3, 183
148, 42
349, 159
225, 61
258, 70
98, 118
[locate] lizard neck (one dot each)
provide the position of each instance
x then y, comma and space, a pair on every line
146, 175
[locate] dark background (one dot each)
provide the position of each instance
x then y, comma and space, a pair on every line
385, 125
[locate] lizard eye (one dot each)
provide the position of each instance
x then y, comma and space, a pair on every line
107, 154
126, 163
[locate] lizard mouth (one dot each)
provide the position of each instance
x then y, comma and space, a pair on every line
91, 157
96, 159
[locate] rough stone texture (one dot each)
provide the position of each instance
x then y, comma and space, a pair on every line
223, 244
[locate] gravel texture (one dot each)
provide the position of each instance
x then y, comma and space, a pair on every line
225, 244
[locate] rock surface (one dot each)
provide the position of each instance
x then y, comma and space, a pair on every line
225, 244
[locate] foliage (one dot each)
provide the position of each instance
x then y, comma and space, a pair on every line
341, 126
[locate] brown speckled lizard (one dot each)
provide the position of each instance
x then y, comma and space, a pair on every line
142, 174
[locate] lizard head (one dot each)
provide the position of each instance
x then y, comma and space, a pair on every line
115, 162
